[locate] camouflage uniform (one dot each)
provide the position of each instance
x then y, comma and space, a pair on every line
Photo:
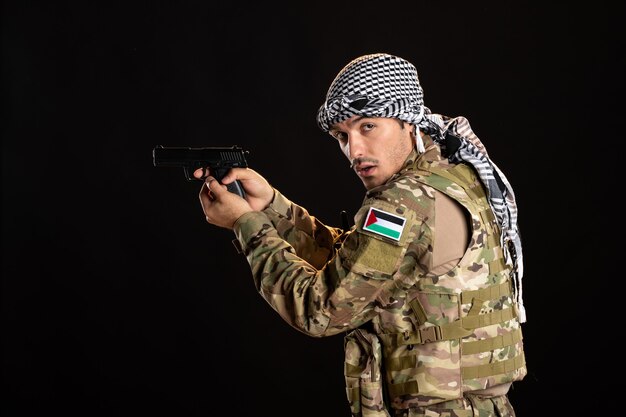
416, 344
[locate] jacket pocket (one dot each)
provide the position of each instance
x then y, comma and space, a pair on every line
362, 371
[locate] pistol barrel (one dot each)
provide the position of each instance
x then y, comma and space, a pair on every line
232, 156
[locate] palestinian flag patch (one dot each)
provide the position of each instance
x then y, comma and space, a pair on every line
384, 224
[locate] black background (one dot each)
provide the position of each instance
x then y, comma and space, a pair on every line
119, 299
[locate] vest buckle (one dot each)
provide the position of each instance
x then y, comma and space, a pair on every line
430, 334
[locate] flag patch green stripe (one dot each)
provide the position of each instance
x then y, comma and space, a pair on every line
384, 231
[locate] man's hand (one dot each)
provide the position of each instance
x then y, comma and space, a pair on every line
259, 193
223, 208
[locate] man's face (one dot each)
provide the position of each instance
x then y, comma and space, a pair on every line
377, 147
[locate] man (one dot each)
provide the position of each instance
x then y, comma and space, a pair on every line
427, 283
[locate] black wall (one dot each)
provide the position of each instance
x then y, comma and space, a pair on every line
119, 299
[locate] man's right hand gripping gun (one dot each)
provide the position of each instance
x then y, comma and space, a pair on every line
218, 160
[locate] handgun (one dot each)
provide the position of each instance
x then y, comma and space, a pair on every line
219, 160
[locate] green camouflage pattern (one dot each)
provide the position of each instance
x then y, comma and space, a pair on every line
324, 281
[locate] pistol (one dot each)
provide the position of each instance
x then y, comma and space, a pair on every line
219, 160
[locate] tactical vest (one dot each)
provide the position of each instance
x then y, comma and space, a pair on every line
463, 333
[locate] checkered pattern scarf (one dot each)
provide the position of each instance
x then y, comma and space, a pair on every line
383, 85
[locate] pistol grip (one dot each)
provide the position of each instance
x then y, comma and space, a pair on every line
234, 187
237, 188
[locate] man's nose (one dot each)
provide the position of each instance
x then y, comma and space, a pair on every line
356, 146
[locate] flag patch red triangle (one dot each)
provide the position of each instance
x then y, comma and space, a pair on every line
371, 218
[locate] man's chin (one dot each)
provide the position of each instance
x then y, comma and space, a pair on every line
369, 183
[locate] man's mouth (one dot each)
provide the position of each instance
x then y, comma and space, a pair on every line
365, 170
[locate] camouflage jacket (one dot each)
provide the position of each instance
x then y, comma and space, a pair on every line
324, 281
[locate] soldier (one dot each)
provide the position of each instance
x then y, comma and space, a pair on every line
426, 285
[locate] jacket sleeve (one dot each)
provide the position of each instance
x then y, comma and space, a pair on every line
311, 239
284, 247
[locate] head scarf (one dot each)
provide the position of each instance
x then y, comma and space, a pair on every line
384, 85
376, 85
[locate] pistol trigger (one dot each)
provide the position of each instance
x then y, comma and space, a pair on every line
190, 170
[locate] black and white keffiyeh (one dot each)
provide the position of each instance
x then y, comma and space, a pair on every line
383, 85
377, 85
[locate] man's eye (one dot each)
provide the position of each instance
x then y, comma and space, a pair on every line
340, 136
368, 126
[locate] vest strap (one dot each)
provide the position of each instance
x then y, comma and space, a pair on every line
501, 367
468, 348
497, 265
493, 292
497, 316
487, 215
472, 372
418, 310
454, 330
401, 362
428, 334
486, 345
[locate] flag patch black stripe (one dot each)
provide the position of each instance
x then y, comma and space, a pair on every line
390, 218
